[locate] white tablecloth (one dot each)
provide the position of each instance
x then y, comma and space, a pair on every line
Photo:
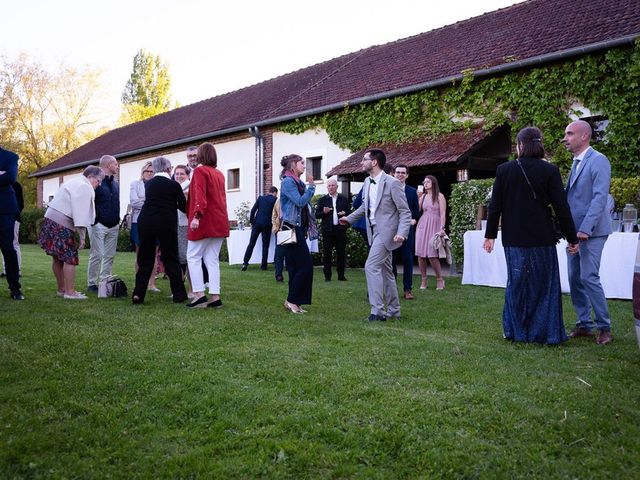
239, 239
490, 269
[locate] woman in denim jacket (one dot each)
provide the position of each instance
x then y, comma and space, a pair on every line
294, 204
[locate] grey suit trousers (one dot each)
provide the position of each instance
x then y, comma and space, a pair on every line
381, 284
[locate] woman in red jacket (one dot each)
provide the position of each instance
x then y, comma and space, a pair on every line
208, 226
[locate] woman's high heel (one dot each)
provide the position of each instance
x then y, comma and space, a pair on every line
423, 285
440, 283
292, 308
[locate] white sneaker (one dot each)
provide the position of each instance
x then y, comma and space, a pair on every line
75, 296
154, 289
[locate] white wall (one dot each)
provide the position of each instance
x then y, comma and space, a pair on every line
312, 143
49, 188
237, 154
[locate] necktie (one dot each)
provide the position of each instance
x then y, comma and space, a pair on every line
574, 170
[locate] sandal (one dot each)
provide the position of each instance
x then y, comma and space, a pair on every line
440, 283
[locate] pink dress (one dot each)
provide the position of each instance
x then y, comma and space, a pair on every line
428, 226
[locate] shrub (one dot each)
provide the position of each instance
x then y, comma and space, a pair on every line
30, 220
625, 190
463, 206
124, 241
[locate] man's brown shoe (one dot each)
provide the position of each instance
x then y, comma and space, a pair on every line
604, 337
580, 332
408, 295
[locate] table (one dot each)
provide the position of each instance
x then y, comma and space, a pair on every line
490, 269
239, 239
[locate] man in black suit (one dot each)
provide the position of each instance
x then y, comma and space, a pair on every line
260, 218
158, 223
330, 208
405, 253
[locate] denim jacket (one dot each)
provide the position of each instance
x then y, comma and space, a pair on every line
291, 202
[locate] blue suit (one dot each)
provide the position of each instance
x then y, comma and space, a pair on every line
260, 218
405, 253
9, 211
587, 192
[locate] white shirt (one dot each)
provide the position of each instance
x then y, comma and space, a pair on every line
373, 197
334, 200
581, 158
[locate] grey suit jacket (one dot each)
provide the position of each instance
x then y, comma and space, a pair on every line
393, 216
587, 195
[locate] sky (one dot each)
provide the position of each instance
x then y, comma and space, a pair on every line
211, 47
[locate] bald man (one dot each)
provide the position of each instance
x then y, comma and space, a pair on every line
330, 209
587, 192
103, 235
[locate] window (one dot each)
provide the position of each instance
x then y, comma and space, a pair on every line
233, 179
599, 124
314, 167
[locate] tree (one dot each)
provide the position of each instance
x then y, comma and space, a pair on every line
148, 90
45, 114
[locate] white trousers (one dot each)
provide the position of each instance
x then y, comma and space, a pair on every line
104, 242
16, 247
207, 250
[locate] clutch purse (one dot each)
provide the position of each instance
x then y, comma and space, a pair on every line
286, 236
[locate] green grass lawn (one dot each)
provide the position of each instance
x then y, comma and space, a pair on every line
104, 389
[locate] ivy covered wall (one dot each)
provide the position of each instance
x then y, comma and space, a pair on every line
607, 83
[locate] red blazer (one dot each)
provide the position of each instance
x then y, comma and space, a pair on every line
207, 197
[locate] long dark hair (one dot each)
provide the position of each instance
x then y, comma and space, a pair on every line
435, 188
530, 141
287, 163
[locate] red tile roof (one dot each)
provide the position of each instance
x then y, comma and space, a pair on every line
444, 149
520, 32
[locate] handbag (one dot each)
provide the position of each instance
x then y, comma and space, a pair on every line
555, 223
286, 235
112, 286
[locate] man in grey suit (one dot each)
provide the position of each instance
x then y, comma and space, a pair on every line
587, 191
388, 220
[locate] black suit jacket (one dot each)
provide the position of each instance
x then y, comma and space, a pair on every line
260, 215
342, 205
163, 199
526, 222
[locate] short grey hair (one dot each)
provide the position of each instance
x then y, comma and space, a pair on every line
160, 164
93, 171
332, 180
106, 160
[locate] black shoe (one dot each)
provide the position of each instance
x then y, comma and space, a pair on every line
17, 295
327, 279
92, 288
376, 318
279, 278
342, 279
244, 267
3, 275
215, 304
137, 299
179, 299
199, 303
263, 267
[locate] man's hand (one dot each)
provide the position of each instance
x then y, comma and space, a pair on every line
195, 223
326, 210
488, 245
572, 248
343, 221
399, 239
582, 236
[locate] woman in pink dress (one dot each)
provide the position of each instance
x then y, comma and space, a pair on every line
433, 207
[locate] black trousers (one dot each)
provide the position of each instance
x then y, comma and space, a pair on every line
300, 268
167, 237
12, 270
256, 230
336, 238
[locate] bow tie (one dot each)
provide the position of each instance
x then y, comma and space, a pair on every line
372, 181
